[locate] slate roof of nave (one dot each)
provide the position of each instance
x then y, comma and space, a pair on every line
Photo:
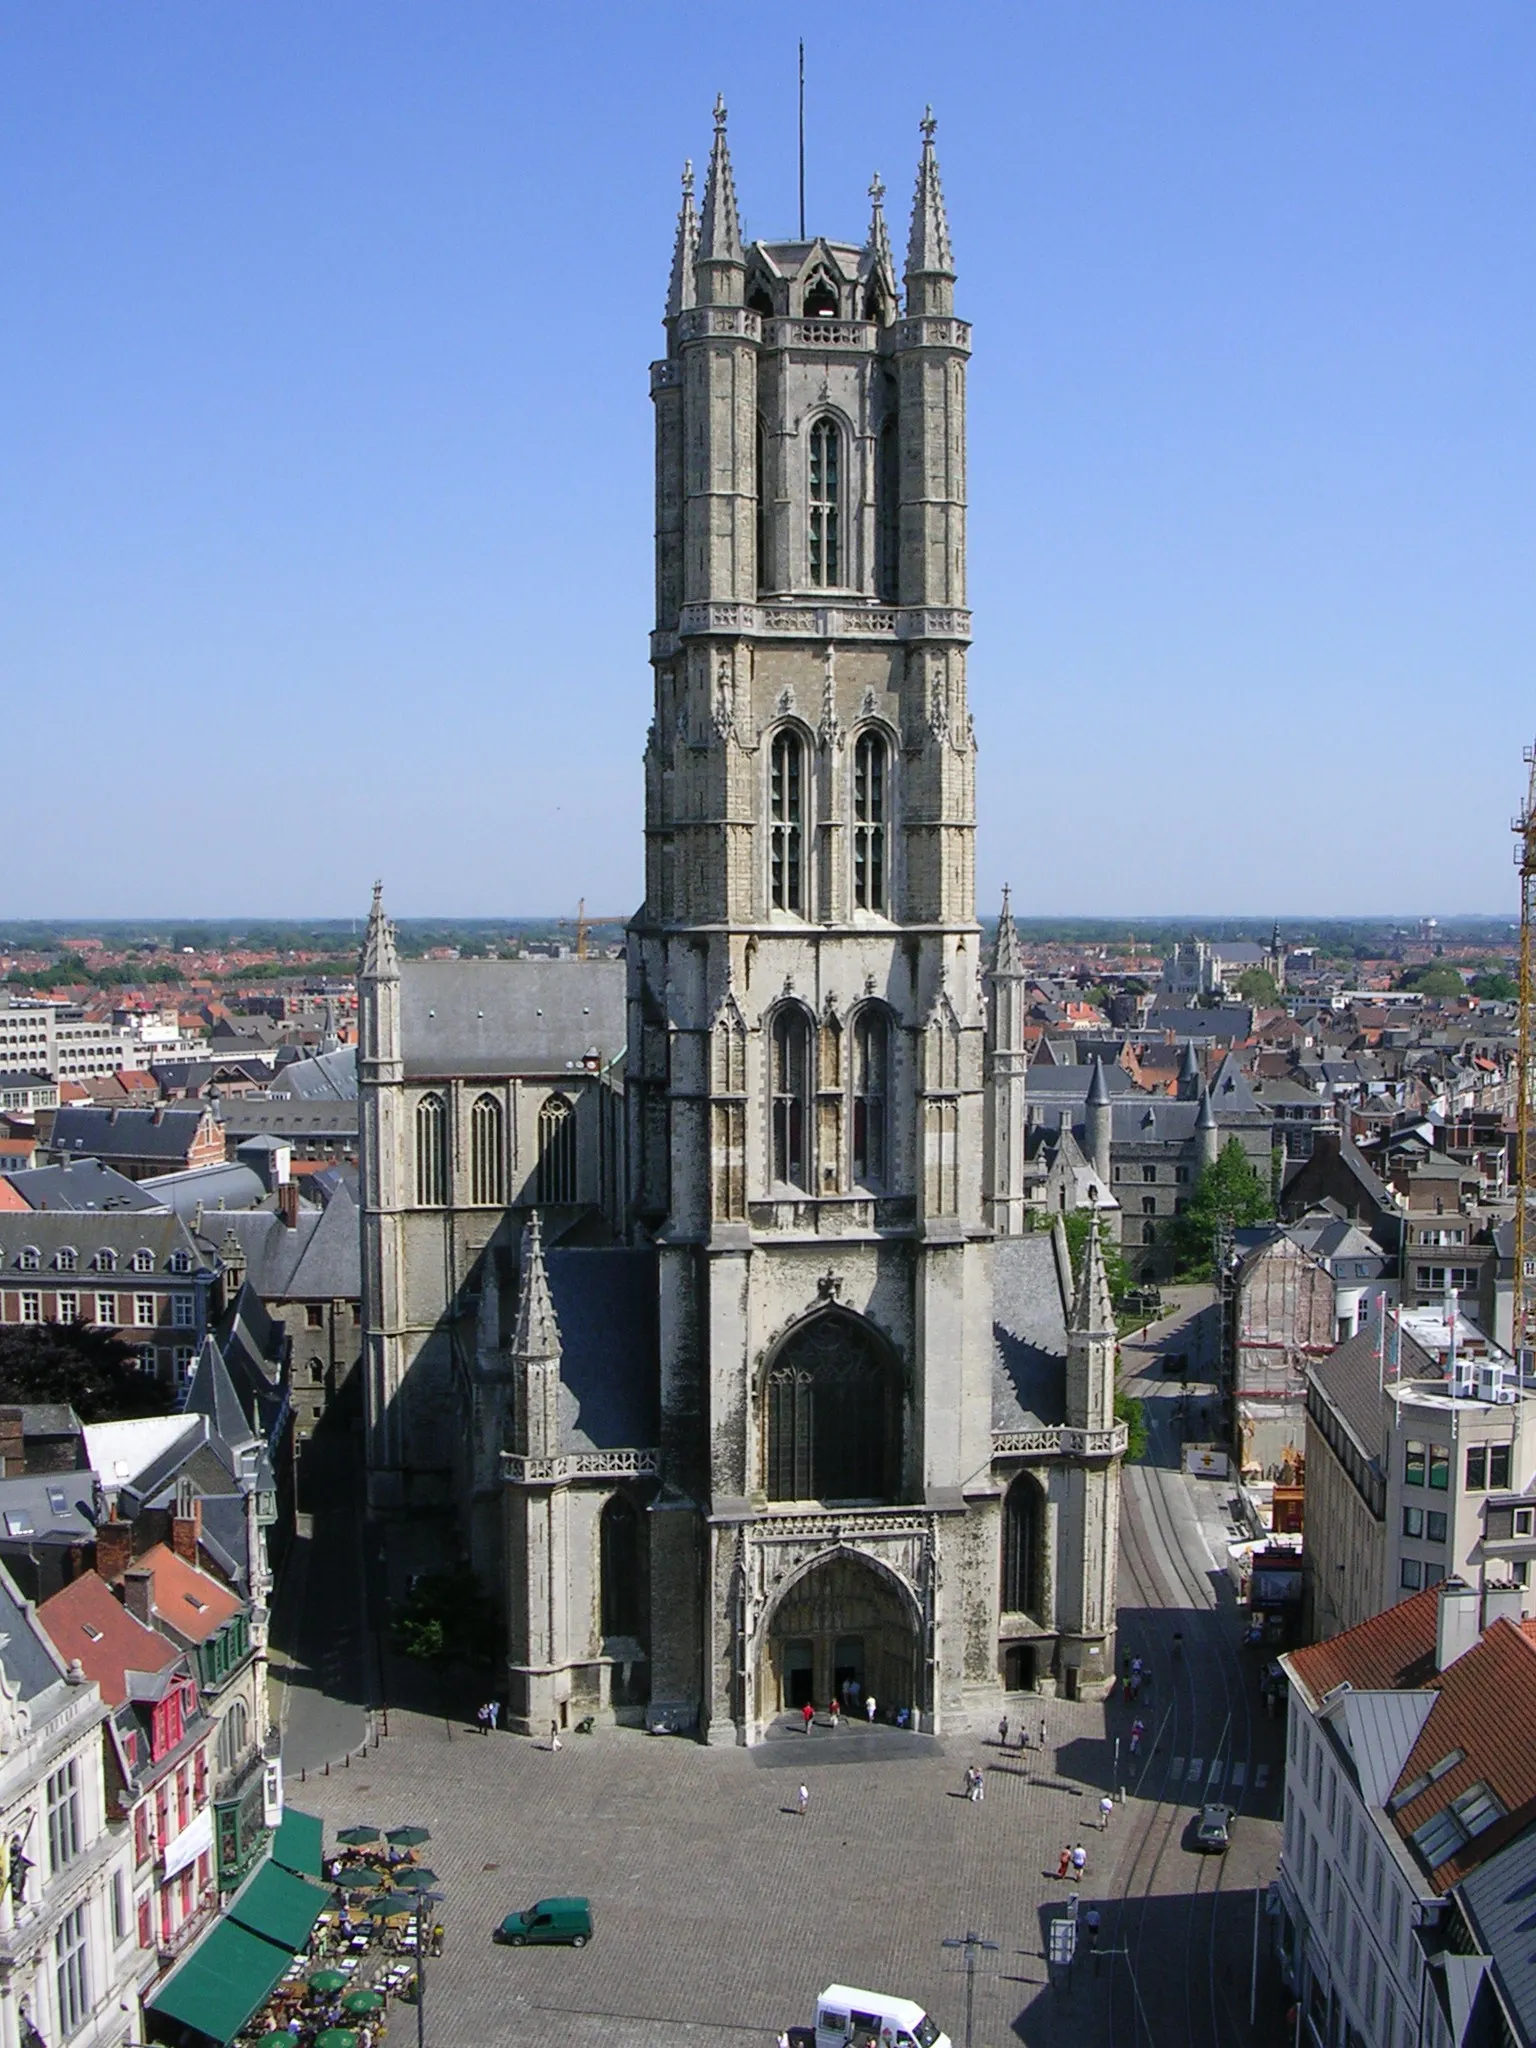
509, 1016
605, 1305
1029, 1334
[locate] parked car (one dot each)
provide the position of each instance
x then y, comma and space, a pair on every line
1213, 1833
568, 1920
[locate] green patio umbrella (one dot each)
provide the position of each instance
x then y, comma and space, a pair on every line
356, 1837
363, 2001
361, 1877
325, 1981
408, 1838
278, 2038
336, 2037
416, 1879
390, 1905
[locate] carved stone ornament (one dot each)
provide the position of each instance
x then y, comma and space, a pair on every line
867, 709
830, 1286
830, 731
725, 697
786, 702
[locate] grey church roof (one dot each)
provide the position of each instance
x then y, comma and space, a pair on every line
80, 1185
1231, 1021
605, 1305
227, 1185
1500, 1897
29, 1663
159, 1133
1029, 1334
319, 1259
328, 1076
526, 1016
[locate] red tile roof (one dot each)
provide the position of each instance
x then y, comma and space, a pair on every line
84, 1620
187, 1600
9, 1199
1392, 1651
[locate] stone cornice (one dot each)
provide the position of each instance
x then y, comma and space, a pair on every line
517, 1470
1062, 1441
790, 620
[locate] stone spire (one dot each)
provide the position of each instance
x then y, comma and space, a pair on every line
1092, 1312
930, 270
1099, 1122
1207, 1133
380, 960
535, 1351
1008, 959
1091, 1341
879, 263
685, 250
721, 264
1189, 1083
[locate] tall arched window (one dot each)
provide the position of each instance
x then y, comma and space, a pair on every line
791, 1076
786, 821
764, 526
1021, 1547
869, 786
825, 538
619, 1542
834, 1416
487, 1158
871, 1094
234, 1735
557, 1151
887, 516
431, 1152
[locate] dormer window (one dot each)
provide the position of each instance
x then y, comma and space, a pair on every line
29, 1258
143, 1261
106, 1260
65, 1258
181, 1262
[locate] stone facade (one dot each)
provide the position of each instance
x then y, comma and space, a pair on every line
846, 1431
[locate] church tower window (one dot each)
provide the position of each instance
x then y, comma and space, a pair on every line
833, 1429
826, 485
619, 1564
821, 298
869, 775
431, 1152
786, 822
764, 526
791, 1042
1021, 1547
887, 515
556, 1178
487, 1164
871, 1094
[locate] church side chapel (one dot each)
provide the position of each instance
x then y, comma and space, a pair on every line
701, 1299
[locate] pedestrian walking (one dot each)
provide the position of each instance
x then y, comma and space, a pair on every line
493, 1707
554, 1735
1066, 1861
836, 1712
869, 1708
1002, 1733
808, 1715
483, 1716
1138, 1729
970, 1781
802, 1800
1079, 1859
981, 1785
1091, 1923
1106, 1808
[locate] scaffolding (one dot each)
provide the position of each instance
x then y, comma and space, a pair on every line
1525, 860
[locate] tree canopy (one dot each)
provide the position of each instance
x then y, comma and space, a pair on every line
91, 1371
1228, 1193
1440, 983
1077, 1225
1258, 985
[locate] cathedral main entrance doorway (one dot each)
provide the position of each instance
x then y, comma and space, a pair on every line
844, 1630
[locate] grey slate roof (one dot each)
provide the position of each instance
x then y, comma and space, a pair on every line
288, 1115
526, 1016
320, 1259
1350, 1376
80, 1184
329, 1076
1029, 1333
226, 1186
165, 1133
1233, 1020
47, 1507
1071, 1084
605, 1305
29, 1661
156, 1231
1499, 1897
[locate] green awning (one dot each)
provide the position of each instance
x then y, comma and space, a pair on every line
274, 1902
222, 1982
296, 1845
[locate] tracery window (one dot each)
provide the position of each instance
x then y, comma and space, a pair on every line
620, 1567
431, 1152
557, 1151
786, 821
869, 780
764, 524
871, 1094
487, 1158
834, 1415
1021, 1547
825, 535
791, 1074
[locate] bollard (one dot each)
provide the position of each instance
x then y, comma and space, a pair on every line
327, 1767
303, 1775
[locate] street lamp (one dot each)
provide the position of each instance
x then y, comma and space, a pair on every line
973, 1944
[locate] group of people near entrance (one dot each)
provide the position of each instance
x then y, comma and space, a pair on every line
847, 1703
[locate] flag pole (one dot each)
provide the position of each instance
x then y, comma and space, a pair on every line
802, 138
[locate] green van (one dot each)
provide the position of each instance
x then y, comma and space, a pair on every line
550, 1920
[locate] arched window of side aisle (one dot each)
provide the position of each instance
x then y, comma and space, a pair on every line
557, 1152
431, 1152
825, 535
871, 1094
786, 822
869, 787
791, 1075
487, 1169
619, 1543
234, 1735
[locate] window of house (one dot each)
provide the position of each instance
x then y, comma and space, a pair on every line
29, 1259
1394, 1918
1439, 1468
786, 822
1413, 1522
1477, 1468
869, 776
1333, 1799
871, 1066
1453, 1826
487, 1154
71, 1976
68, 1308
31, 1308
119, 1907
1149, 1173
556, 1177
181, 1262
182, 1315
824, 537
1498, 1466
1372, 1987
64, 1816
1346, 1832
1376, 1885
1414, 1459
1433, 1574
65, 1258
143, 1261
791, 1062
1181, 1175
314, 1316
1411, 1575
1149, 1205
106, 1260
183, 1358
106, 1308
1434, 1525
144, 1311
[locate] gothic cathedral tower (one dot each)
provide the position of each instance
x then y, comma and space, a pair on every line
805, 1034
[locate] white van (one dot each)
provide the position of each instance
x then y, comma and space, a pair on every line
846, 2018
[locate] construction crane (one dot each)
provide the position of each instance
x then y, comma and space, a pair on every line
1525, 860
584, 924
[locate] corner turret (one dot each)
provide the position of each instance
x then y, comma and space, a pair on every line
1099, 1120
930, 272
535, 1353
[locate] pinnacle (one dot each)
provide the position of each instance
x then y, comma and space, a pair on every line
1008, 959
380, 960
536, 1333
1098, 1087
929, 255
877, 249
1092, 1312
685, 249
720, 226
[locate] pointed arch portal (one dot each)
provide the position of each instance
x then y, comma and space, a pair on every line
844, 1622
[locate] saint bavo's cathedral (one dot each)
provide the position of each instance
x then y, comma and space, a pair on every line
699, 1304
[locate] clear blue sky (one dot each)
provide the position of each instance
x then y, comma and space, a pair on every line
325, 503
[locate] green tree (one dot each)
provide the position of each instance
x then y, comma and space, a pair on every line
1440, 984
88, 1370
1494, 986
1133, 1414
1257, 985
1077, 1226
1229, 1193
446, 1617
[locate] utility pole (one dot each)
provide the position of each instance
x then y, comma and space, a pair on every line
973, 1944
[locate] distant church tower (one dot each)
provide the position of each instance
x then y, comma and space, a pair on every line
806, 1123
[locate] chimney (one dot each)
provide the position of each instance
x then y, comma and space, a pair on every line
1456, 1622
185, 1532
114, 1547
288, 1204
139, 1596
1501, 1602
13, 1454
